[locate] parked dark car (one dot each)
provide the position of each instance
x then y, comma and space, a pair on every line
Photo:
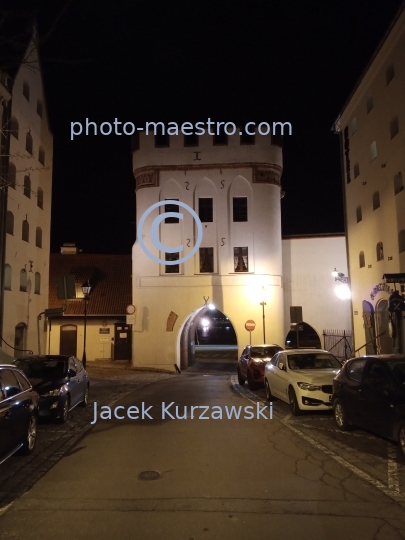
18, 413
252, 361
61, 382
369, 392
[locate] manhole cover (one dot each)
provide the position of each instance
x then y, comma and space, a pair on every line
149, 475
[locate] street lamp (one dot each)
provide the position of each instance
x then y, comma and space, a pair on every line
86, 288
342, 291
263, 303
339, 276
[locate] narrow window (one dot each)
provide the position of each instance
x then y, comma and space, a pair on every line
172, 268
376, 200
370, 104
191, 140
40, 198
12, 174
26, 90
14, 127
25, 231
220, 138
23, 280
373, 150
362, 261
135, 142
356, 170
9, 222
39, 108
28, 143
240, 212
354, 125
27, 186
37, 287
7, 277
380, 251
161, 138
401, 241
41, 155
359, 215
245, 138
347, 153
205, 209
240, 259
38, 237
171, 208
277, 139
398, 184
389, 74
206, 260
394, 127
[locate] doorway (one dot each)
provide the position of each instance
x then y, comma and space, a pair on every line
304, 337
122, 341
68, 340
20, 339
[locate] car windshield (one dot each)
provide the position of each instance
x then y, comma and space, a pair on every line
264, 352
313, 361
398, 370
42, 368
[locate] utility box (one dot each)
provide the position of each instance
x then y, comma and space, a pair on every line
295, 314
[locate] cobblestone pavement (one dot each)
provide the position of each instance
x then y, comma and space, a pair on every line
107, 384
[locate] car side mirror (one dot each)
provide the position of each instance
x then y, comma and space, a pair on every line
281, 366
71, 373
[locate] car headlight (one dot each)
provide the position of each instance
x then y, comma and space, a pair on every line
55, 392
308, 386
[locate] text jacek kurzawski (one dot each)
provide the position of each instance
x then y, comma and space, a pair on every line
171, 411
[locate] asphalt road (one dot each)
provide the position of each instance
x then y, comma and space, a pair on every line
217, 479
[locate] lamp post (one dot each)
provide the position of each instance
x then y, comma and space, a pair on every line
263, 303
86, 288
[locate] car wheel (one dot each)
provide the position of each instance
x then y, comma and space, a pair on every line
268, 391
251, 384
65, 411
295, 408
341, 416
31, 436
401, 437
241, 380
85, 398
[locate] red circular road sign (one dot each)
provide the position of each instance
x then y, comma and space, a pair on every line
250, 325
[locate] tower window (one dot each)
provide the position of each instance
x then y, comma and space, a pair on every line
221, 138
245, 138
27, 186
240, 259
354, 125
206, 260
14, 127
37, 287
40, 198
25, 231
356, 170
191, 140
277, 139
41, 155
38, 237
380, 251
240, 211
161, 138
362, 261
39, 108
9, 222
12, 174
370, 104
389, 74
172, 268
7, 277
26, 90
394, 127
401, 241
171, 208
359, 215
398, 184
28, 143
205, 209
376, 200
373, 150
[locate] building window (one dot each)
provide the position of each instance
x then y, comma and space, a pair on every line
240, 211
205, 209
347, 153
359, 215
376, 200
27, 186
7, 277
37, 287
135, 142
370, 104
401, 241
25, 231
40, 198
23, 280
14, 127
398, 184
161, 138
277, 139
362, 261
9, 222
38, 237
245, 138
41, 155
191, 140
394, 127
28, 143
172, 208
206, 260
389, 74
39, 108
172, 268
26, 90
221, 138
240, 259
380, 251
356, 170
354, 125
373, 150
12, 174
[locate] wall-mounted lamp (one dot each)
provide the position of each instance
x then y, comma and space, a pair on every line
339, 276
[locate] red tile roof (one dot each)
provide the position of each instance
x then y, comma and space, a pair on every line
109, 276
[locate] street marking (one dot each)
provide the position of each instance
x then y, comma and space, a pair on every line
393, 483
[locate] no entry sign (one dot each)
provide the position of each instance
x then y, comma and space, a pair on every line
250, 325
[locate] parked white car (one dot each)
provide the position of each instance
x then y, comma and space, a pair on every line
303, 378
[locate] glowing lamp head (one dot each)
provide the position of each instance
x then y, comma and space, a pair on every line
343, 292
335, 273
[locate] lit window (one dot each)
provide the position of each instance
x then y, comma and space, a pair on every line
373, 150
376, 200
362, 261
394, 127
206, 260
240, 211
205, 209
240, 259
172, 268
380, 251
398, 184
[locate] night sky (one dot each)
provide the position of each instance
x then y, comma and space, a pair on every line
149, 60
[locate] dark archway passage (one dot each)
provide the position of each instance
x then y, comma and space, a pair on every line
307, 337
